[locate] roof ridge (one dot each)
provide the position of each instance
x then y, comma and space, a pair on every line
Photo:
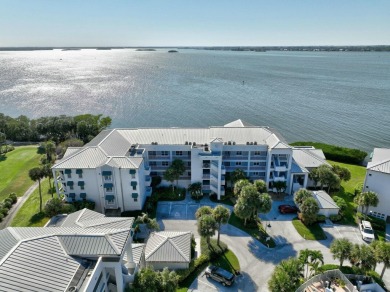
157, 246
104, 139
177, 248
379, 163
332, 203
112, 244
72, 155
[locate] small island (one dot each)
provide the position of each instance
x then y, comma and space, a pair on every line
172, 51
145, 50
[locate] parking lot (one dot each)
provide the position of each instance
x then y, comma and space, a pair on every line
184, 210
352, 233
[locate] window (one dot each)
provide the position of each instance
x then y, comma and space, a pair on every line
111, 201
179, 153
227, 153
153, 163
366, 187
256, 163
80, 175
256, 173
107, 177
152, 153
189, 163
108, 189
370, 174
135, 199
257, 153
227, 163
164, 153
239, 153
189, 173
134, 187
82, 187
238, 163
69, 175
71, 187
164, 163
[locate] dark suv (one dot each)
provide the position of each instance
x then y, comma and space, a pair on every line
220, 275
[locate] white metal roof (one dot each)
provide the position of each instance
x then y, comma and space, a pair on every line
168, 246
324, 200
308, 158
380, 160
88, 157
238, 123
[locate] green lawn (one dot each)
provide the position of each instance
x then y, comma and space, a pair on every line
257, 232
28, 215
311, 232
346, 191
227, 261
14, 167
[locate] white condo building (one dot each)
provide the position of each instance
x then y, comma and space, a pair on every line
378, 181
115, 169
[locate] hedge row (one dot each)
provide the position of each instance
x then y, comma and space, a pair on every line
7, 148
6, 205
337, 153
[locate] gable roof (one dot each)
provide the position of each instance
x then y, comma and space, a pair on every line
324, 200
167, 246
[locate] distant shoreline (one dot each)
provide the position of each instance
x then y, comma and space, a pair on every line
373, 48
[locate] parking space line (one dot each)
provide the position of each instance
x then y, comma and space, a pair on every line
338, 230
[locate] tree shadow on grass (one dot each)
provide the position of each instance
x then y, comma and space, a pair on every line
3, 157
37, 217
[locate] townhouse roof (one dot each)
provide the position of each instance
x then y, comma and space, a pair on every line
138, 250
309, 157
52, 258
71, 150
324, 200
168, 246
380, 160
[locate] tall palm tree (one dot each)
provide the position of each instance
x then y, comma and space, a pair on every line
195, 189
316, 259
341, 249
239, 185
243, 210
304, 258
36, 174
204, 210
367, 199
50, 148
221, 215
384, 255
49, 174
207, 226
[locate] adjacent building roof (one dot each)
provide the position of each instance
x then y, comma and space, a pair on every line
309, 157
51, 258
380, 160
324, 200
167, 246
239, 124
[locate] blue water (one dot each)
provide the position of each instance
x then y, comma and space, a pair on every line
339, 98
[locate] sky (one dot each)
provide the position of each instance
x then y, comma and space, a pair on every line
193, 22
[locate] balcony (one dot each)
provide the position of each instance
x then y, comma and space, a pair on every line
223, 180
159, 157
147, 169
279, 178
206, 176
148, 191
148, 180
214, 188
235, 157
182, 157
223, 169
60, 178
206, 165
211, 153
258, 157
280, 168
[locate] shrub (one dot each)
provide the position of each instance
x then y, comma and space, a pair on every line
3, 210
7, 204
9, 200
214, 250
156, 180
336, 153
68, 208
1, 217
340, 203
166, 194
193, 246
195, 266
335, 218
53, 207
321, 218
13, 197
84, 204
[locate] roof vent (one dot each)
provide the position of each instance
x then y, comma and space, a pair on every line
255, 143
234, 143
186, 143
230, 143
251, 143
225, 143
194, 143
247, 143
189, 143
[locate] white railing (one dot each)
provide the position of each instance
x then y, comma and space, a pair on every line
328, 276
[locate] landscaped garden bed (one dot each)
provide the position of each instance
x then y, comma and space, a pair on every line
309, 232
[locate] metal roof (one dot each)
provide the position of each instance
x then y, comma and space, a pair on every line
138, 250
89, 157
167, 246
88, 245
307, 158
70, 151
380, 160
238, 123
38, 265
124, 162
114, 144
295, 168
8, 241
324, 200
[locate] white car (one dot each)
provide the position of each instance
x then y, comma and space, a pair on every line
367, 231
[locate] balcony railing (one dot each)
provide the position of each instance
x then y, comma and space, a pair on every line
206, 165
223, 169
159, 157
235, 157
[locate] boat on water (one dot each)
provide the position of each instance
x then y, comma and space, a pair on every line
173, 51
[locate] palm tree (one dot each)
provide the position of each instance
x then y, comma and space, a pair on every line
280, 186
50, 148
367, 199
304, 258
383, 251
221, 215
237, 174
301, 195
153, 225
261, 186
170, 175
239, 185
36, 174
49, 174
204, 210
341, 249
207, 226
286, 276
195, 189
178, 167
243, 210
263, 204
316, 259
367, 258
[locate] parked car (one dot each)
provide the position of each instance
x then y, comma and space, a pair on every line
220, 275
284, 209
367, 231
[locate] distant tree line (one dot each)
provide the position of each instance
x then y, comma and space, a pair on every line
56, 128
